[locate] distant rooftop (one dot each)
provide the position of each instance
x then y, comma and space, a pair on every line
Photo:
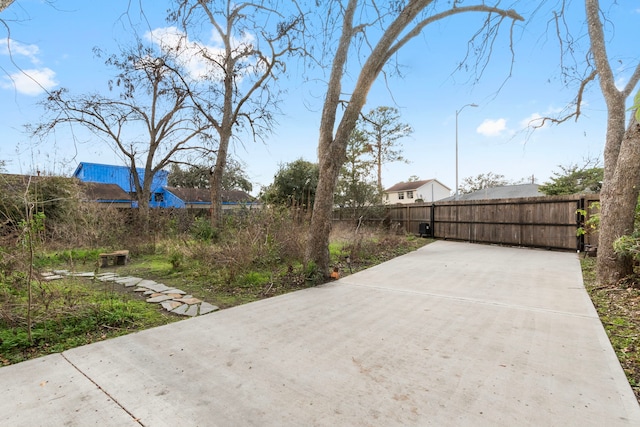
503, 192
104, 192
412, 185
200, 195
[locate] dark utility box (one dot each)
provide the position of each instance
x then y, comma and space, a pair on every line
424, 229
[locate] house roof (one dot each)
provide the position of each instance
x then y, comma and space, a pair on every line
89, 190
101, 192
190, 195
199, 195
413, 185
125, 168
503, 192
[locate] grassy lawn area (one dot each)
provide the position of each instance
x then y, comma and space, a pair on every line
619, 310
75, 311
68, 313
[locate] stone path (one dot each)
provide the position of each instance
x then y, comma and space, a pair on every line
171, 299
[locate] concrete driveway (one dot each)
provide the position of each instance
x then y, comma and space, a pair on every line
454, 334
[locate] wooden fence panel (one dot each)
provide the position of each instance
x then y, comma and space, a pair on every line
546, 222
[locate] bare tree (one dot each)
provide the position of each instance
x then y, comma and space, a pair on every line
255, 39
482, 181
197, 175
150, 122
619, 194
383, 129
391, 26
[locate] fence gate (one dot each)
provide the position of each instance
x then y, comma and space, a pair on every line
545, 222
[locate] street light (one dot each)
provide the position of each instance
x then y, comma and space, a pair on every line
458, 112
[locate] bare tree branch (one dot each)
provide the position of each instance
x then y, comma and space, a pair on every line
149, 99
241, 94
402, 25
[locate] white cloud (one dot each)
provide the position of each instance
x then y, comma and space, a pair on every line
534, 120
12, 47
30, 82
491, 127
192, 54
171, 39
34, 81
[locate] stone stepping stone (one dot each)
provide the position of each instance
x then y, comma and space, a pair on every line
170, 305
159, 298
85, 274
174, 291
192, 311
189, 301
174, 296
205, 308
107, 278
108, 273
171, 299
181, 310
158, 287
145, 283
128, 281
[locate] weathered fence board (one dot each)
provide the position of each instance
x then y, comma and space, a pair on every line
545, 222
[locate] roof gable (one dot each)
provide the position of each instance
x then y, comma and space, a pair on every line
117, 174
413, 185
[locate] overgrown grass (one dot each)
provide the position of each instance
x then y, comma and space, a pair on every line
72, 258
619, 310
228, 274
68, 313
253, 257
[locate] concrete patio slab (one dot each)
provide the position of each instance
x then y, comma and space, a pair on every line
49, 391
453, 334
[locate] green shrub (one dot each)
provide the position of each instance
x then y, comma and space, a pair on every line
202, 230
176, 258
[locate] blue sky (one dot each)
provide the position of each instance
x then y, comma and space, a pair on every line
53, 42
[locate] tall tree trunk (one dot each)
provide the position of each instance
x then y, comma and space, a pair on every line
332, 150
317, 249
618, 199
143, 194
619, 194
379, 160
216, 179
144, 214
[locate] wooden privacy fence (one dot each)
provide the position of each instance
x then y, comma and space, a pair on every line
544, 222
